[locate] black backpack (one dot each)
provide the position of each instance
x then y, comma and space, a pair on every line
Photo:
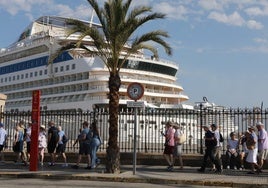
221, 138
64, 139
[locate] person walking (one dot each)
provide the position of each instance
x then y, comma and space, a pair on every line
52, 141
262, 144
252, 145
18, 144
243, 150
60, 150
218, 148
27, 138
169, 144
94, 144
178, 136
210, 143
3, 140
85, 139
42, 144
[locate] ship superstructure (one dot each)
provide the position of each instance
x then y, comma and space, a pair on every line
77, 79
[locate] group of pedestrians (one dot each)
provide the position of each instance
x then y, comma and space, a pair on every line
51, 140
174, 139
251, 147
89, 141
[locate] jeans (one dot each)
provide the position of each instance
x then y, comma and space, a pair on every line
209, 153
95, 143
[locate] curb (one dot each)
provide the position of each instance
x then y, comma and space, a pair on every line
122, 178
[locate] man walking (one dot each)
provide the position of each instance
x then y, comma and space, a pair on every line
3, 139
52, 141
210, 143
262, 144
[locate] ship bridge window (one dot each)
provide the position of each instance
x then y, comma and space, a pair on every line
35, 73
56, 69
31, 74
40, 72
67, 67
45, 72
150, 67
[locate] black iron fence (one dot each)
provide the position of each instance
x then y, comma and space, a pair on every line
149, 124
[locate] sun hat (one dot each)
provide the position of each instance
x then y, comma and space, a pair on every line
206, 126
176, 125
170, 123
252, 127
259, 124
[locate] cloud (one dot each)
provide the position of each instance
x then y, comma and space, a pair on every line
173, 11
256, 11
233, 19
210, 4
13, 6
252, 24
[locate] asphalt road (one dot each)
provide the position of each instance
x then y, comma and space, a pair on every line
40, 183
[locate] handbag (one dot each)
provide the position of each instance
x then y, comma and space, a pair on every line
182, 139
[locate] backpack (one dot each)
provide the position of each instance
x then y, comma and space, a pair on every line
64, 139
221, 138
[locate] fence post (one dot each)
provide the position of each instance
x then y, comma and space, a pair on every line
201, 128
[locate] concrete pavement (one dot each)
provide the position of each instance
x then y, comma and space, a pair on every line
143, 174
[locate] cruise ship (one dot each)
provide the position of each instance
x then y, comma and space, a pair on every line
77, 80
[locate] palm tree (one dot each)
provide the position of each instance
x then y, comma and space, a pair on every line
115, 43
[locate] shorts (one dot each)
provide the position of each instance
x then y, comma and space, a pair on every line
263, 154
169, 150
18, 147
178, 150
84, 149
51, 147
252, 156
61, 148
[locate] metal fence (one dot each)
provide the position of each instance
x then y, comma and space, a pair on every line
149, 123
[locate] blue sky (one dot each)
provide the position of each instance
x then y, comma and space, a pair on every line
221, 46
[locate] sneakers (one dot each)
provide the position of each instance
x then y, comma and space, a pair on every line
75, 166
228, 167
65, 165
88, 168
170, 168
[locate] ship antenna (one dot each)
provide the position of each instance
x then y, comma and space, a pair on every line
91, 18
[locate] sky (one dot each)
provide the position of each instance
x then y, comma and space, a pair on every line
221, 46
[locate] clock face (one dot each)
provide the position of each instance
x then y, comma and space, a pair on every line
135, 91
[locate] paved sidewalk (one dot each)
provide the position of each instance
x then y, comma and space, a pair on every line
144, 174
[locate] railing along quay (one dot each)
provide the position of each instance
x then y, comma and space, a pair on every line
149, 125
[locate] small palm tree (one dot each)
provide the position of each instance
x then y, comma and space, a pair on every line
114, 43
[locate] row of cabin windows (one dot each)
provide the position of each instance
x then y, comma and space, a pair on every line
36, 73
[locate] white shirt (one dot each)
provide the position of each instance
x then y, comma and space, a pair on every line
3, 135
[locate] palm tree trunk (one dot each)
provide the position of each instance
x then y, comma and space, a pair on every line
113, 151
